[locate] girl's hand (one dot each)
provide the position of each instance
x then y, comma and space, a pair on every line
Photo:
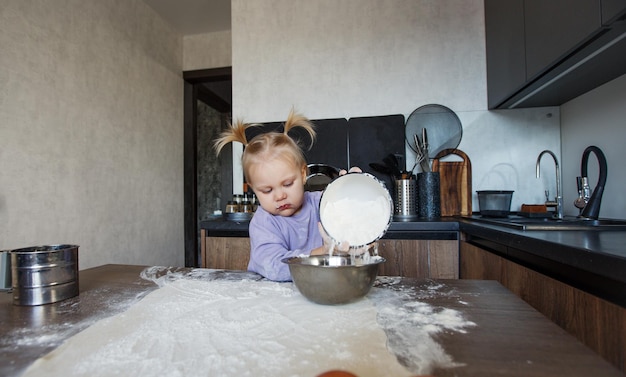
329, 244
354, 169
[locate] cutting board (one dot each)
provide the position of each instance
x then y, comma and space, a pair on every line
371, 139
330, 144
455, 183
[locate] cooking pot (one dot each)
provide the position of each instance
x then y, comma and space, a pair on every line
319, 176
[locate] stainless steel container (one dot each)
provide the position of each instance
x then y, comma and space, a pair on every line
44, 274
405, 206
5, 270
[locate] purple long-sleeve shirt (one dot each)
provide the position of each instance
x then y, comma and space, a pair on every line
273, 238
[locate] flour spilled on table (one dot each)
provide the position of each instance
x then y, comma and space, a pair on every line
52, 335
209, 323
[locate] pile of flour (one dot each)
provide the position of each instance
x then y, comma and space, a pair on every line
201, 324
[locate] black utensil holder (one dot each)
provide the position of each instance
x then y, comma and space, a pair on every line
428, 196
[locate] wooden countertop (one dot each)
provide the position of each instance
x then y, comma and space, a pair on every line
510, 337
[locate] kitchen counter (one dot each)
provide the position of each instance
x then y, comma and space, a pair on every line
444, 229
593, 261
510, 338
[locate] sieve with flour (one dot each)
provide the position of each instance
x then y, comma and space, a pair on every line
356, 208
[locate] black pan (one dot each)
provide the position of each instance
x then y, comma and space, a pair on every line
320, 175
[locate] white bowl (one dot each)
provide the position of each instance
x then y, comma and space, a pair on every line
356, 208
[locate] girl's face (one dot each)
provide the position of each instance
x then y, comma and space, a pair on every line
278, 185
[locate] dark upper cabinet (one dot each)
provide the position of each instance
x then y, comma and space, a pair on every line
504, 32
554, 28
611, 10
545, 53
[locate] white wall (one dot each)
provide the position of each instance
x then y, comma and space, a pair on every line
597, 118
353, 58
91, 130
209, 50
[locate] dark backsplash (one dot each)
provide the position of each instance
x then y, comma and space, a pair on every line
344, 143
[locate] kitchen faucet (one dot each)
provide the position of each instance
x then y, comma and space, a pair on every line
592, 208
559, 198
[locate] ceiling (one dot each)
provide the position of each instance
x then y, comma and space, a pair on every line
194, 16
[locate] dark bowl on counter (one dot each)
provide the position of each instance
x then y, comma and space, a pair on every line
494, 203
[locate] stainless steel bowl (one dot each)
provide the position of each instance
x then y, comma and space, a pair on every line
331, 280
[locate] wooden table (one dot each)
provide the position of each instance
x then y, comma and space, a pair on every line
510, 337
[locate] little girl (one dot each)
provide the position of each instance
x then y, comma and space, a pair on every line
287, 222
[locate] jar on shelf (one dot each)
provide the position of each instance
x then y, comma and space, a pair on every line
232, 207
245, 206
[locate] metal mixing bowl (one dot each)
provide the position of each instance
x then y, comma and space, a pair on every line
331, 280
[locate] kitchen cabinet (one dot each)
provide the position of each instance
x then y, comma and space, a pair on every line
612, 9
552, 28
504, 36
599, 324
230, 253
435, 259
544, 53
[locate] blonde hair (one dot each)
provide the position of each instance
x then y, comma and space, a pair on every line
268, 145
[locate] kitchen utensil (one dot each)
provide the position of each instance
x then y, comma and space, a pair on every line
456, 183
428, 195
442, 125
356, 208
405, 201
392, 163
331, 280
494, 203
381, 168
425, 146
421, 157
44, 274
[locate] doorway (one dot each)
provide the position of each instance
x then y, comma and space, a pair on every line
207, 177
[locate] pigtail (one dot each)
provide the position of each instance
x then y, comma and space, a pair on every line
298, 120
235, 132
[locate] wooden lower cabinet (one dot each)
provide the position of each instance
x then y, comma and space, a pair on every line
599, 324
435, 259
230, 253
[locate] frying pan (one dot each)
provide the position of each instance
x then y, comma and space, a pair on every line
442, 126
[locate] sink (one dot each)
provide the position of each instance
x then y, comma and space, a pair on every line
567, 223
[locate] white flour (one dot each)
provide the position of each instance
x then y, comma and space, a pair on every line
52, 335
197, 325
355, 221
